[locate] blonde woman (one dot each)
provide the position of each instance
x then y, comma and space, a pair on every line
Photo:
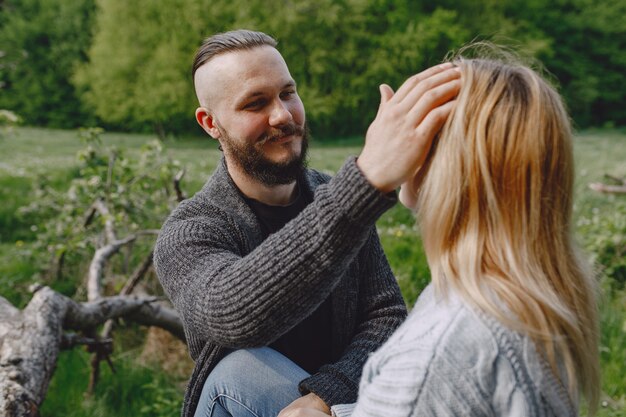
508, 325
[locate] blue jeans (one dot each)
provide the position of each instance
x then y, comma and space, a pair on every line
256, 382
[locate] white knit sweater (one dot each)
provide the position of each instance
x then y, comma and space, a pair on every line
447, 359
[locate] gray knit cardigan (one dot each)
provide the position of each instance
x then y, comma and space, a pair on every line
233, 289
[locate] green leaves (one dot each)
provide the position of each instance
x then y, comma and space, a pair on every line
41, 43
126, 64
138, 189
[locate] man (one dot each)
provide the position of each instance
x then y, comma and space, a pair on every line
276, 270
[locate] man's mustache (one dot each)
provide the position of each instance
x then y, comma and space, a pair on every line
285, 130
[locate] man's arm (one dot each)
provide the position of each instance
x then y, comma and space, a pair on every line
244, 300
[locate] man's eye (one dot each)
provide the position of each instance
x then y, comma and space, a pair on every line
254, 104
287, 94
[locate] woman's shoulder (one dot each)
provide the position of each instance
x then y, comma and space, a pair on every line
445, 321
439, 330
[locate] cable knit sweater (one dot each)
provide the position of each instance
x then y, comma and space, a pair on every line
447, 359
234, 290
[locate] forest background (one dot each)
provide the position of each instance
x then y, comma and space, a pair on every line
125, 66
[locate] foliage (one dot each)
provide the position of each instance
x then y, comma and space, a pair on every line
8, 120
403, 246
42, 41
346, 50
613, 340
16, 272
138, 71
339, 51
138, 192
599, 227
587, 39
13, 228
604, 235
134, 390
166, 401
129, 62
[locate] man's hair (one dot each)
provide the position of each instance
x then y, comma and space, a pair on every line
233, 40
495, 206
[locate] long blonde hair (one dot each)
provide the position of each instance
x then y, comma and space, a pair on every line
495, 208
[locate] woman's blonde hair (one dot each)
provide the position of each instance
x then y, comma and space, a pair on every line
495, 208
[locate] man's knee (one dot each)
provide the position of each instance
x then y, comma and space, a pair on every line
260, 379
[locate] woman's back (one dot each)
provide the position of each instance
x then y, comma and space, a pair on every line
448, 359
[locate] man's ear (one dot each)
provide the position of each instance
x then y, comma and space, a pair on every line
207, 122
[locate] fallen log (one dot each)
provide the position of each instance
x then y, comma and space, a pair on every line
31, 339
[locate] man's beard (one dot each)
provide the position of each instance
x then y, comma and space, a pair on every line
250, 157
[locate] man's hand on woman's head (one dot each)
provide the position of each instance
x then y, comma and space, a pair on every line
400, 136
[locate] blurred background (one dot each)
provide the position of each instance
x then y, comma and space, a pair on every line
125, 65
97, 104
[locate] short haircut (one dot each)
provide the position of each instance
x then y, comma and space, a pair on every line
233, 40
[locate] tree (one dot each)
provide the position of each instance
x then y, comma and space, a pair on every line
110, 193
139, 66
42, 42
337, 51
587, 56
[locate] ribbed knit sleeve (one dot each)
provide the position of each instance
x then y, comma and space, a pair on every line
238, 299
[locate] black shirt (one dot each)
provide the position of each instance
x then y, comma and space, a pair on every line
309, 343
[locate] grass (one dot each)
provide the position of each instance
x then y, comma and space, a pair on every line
35, 153
133, 390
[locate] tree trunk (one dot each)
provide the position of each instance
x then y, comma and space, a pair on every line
30, 340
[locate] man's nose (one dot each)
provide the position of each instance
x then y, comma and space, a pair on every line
280, 114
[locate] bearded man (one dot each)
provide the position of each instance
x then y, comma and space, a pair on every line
276, 270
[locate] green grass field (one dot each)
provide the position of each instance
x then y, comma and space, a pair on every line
33, 154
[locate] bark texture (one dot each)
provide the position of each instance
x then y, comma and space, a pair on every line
30, 340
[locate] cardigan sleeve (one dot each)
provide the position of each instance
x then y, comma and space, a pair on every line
242, 300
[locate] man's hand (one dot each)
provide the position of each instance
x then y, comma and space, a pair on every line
309, 405
302, 412
399, 139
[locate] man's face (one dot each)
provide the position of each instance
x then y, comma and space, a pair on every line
253, 161
253, 109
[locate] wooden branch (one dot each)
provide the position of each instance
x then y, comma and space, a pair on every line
151, 314
94, 278
137, 275
109, 227
88, 315
71, 340
29, 352
90, 216
97, 265
128, 288
102, 255
608, 189
60, 261
30, 340
180, 196
619, 186
112, 158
